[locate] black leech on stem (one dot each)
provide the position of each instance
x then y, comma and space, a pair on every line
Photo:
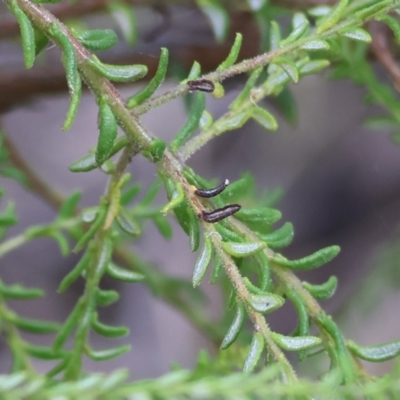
212, 192
202, 85
220, 213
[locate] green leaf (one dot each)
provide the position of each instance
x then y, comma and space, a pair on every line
27, 34
312, 261
194, 232
261, 215
118, 73
124, 14
243, 249
227, 234
298, 343
103, 355
8, 217
108, 330
379, 353
202, 262
245, 93
88, 162
256, 5
62, 242
265, 303
236, 326
19, 292
44, 352
108, 128
358, 34
289, 67
333, 17
126, 222
35, 326
316, 44
97, 39
206, 120
106, 297
232, 122
163, 226
274, 36
176, 199
300, 27
76, 271
233, 54
123, 274
69, 206
324, 291
194, 72
192, 122
256, 348
313, 66
392, 23
265, 119
281, 237
217, 16
154, 84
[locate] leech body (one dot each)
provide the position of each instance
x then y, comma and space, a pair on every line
220, 213
202, 85
212, 192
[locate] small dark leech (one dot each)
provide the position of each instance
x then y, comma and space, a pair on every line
212, 192
202, 85
220, 213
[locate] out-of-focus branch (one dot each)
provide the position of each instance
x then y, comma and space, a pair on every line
380, 48
9, 27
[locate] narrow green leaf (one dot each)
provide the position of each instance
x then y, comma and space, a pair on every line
19, 292
274, 36
265, 119
206, 120
217, 268
381, 123
44, 352
245, 93
126, 222
202, 262
67, 327
35, 326
256, 5
282, 237
129, 194
217, 16
77, 271
103, 355
392, 23
312, 261
69, 206
123, 274
262, 214
232, 122
97, 39
27, 34
379, 353
227, 234
194, 72
256, 348
155, 150
88, 162
106, 297
265, 303
84, 240
324, 291
194, 232
108, 330
125, 16
108, 129
192, 122
313, 66
243, 249
358, 34
118, 73
62, 242
153, 85
316, 44
289, 67
333, 17
233, 53
290, 343
176, 199
300, 27
163, 226
236, 326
